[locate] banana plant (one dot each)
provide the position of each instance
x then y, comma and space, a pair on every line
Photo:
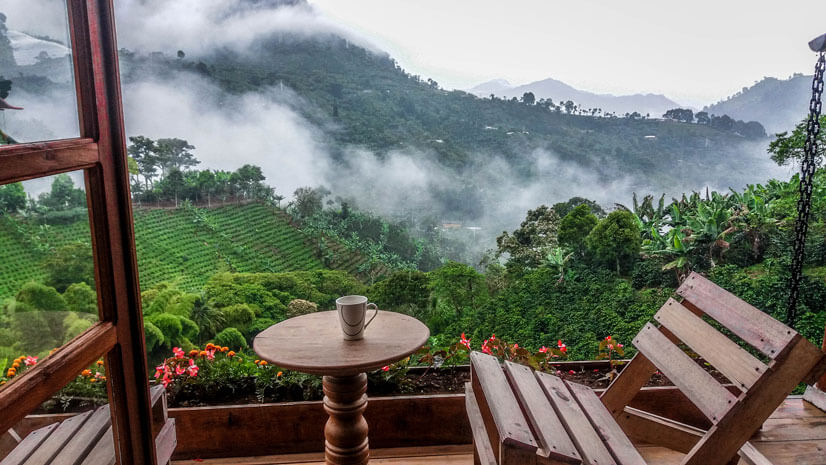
558, 259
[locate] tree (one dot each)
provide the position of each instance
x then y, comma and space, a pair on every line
702, 117
81, 298
144, 151
181, 55
63, 196
12, 198
459, 286
563, 208
308, 201
528, 98
787, 147
175, 154
70, 264
575, 227
685, 115
616, 240
529, 245
723, 123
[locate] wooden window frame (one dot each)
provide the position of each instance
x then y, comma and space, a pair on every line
100, 151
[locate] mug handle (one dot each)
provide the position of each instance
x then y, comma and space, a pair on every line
376, 308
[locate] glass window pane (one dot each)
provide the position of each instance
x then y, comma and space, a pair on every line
37, 92
47, 283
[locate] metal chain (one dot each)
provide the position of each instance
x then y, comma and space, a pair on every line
804, 203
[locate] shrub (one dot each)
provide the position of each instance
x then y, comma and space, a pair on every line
298, 307
238, 316
575, 226
616, 241
232, 338
41, 297
81, 298
154, 336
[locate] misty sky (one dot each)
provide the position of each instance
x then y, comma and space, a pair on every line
695, 52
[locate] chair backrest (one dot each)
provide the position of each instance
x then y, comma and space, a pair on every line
759, 386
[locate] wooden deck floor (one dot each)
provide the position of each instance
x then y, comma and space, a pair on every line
794, 435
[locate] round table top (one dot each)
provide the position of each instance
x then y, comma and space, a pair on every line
314, 343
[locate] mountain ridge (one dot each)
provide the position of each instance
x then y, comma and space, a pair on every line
644, 103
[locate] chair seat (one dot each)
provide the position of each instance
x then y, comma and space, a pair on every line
519, 416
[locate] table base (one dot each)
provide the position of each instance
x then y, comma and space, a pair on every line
345, 399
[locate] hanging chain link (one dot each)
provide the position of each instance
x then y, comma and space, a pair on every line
804, 203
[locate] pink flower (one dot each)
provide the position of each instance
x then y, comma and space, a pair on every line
385, 368
210, 354
29, 361
166, 380
158, 370
620, 345
179, 354
610, 346
485, 348
179, 370
543, 350
558, 372
492, 337
596, 370
192, 369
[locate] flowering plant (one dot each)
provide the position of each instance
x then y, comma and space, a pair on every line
609, 349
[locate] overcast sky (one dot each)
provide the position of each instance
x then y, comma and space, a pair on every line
695, 52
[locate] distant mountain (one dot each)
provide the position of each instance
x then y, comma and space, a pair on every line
779, 104
558, 91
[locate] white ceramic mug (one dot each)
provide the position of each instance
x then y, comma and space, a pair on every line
352, 314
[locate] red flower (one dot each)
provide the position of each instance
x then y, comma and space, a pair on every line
29, 361
385, 368
465, 341
179, 353
571, 372
543, 350
562, 347
608, 338
192, 369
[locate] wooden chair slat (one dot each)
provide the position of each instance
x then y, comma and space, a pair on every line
57, 440
29, 445
754, 407
165, 442
606, 426
700, 387
755, 327
496, 399
551, 434
591, 448
103, 452
625, 387
483, 451
82, 442
739, 366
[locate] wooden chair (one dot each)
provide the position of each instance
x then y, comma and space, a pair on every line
86, 438
521, 417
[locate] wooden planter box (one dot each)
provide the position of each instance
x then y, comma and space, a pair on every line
398, 421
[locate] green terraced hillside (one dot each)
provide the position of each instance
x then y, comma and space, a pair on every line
185, 245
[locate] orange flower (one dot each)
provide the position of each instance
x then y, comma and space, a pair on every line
257, 362
193, 353
15, 365
93, 380
2, 383
231, 354
86, 373
99, 363
11, 372
210, 346
202, 353
280, 373
263, 362
224, 349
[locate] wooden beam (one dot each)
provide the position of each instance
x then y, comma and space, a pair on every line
625, 387
39, 383
28, 161
113, 236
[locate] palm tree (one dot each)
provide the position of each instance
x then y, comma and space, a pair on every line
210, 320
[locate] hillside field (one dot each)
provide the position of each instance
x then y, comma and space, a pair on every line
185, 245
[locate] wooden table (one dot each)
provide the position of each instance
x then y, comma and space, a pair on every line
314, 344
